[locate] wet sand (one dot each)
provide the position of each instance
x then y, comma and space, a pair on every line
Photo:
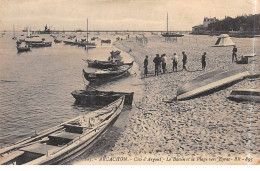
209, 126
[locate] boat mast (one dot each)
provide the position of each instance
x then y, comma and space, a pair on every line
87, 29
13, 30
167, 22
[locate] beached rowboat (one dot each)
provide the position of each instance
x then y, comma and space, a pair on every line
245, 95
105, 64
210, 81
65, 141
106, 75
100, 98
23, 49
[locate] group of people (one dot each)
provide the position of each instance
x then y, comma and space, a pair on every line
160, 63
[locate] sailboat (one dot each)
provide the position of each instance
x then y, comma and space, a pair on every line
89, 44
14, 38
170, 34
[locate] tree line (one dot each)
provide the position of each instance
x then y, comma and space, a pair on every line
240, 23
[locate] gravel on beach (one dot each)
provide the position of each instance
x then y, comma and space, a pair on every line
206, 126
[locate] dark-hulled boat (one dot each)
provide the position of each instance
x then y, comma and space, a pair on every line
64, 142
106, 41
245, 95
210, 81
244, 58
105, 64
106, 75
171, 34
100, 98
115, 60
57, 41
23, 49
41, 44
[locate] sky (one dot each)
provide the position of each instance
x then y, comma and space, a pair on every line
118, 14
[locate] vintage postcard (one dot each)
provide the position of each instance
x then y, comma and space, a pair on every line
129, 82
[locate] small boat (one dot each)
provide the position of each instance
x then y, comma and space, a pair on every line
41, 44
244, 58
63, 142
113, 61
23, 49
105, 64
57, 41
210, 81
106, 41
106, 75
100, 98
245, 95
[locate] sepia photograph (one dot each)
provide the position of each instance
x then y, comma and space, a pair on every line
129, 82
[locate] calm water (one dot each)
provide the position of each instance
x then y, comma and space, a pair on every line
35, 86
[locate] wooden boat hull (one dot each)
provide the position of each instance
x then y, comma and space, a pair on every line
100, 98
103, 119
23, 49
57, 41
172, 35
105, 64
43, 44
99, 78
245, 95
106, 41
210, 81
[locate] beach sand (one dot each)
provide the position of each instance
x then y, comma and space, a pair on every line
211, 125
205, 130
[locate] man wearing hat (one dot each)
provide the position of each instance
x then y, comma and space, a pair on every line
157, 61
234, 54
145, 66
184, 60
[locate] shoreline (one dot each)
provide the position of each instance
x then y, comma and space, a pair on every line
177, 129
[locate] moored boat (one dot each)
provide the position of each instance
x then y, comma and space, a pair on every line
105, 64
210, 81
41, 44
65, 141
57, 41
106, 41
106, 75
23, 49
245, 95
245, 58
100, 98
115, 60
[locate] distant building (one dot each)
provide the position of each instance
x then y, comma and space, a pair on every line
200, 29
207, 21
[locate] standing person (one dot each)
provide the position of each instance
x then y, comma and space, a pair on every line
234, 54
145, 66
157, 61
164, 63
160, 64
184, 60
174, 62
203, 61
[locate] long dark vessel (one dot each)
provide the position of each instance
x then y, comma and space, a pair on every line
42, 44
23, 49
100, 98
210, 81
107, 75
64, 142
114, 60
245, 95
105, 64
